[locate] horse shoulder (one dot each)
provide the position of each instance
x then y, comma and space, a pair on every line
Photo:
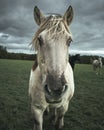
34, 79
95, 62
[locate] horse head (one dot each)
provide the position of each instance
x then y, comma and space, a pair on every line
51, 42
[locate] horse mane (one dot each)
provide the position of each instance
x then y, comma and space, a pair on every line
54, 26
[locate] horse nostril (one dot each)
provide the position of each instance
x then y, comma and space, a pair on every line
64, 88
47, 89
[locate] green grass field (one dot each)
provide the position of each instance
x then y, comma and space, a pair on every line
86, 109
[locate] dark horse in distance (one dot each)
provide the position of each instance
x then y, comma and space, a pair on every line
73, 59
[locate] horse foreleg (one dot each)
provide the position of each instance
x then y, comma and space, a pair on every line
60, 123
60, 117
38, 118
53, 116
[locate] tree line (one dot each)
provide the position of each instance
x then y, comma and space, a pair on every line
4, 54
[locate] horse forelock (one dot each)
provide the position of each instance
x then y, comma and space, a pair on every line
55, 26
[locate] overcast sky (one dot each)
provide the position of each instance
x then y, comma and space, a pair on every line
17, 25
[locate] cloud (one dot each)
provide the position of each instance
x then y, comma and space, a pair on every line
17, 25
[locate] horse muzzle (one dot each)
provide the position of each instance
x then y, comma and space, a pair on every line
54, 95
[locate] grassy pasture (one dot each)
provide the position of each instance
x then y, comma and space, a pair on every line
86, 109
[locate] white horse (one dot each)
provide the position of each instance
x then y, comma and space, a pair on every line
97, 65
51, 84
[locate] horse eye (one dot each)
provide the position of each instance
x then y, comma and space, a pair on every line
40, 41
69, 41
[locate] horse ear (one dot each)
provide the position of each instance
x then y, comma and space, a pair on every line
38, 15
68, 16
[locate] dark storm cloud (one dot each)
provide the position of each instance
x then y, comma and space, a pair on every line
17, 25
15, 17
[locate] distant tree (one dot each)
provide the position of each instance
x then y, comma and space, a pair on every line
3, 52
3, 49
